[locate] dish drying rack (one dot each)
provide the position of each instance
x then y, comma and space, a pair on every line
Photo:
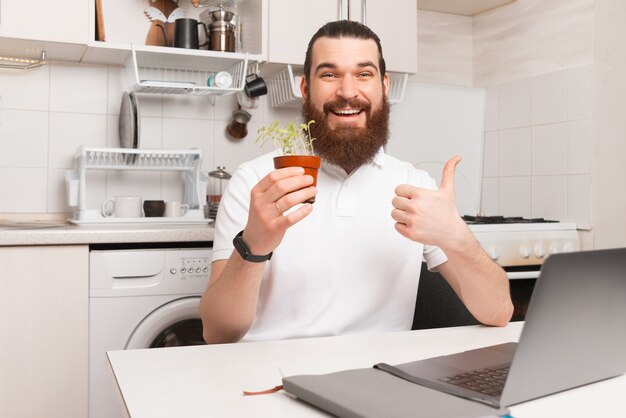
187, 161
284, 87
161, 74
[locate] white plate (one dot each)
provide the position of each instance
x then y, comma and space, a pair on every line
127, 128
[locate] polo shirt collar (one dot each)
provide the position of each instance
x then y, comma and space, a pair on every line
378, 160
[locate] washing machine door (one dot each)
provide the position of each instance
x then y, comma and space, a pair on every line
175, 323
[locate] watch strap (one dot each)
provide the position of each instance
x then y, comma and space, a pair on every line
245, 253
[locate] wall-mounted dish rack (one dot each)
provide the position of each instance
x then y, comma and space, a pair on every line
187, 161
284, 87
161, 74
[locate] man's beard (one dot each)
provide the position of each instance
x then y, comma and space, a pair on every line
348, 147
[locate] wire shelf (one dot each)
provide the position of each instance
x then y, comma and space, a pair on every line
197, 82
284, 89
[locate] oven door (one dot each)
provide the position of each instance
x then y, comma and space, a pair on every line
522, 281
438, 306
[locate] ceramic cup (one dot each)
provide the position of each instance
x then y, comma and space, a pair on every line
175, 209
153, 208
122, 207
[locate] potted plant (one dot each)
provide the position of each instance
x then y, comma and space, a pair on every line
296, 144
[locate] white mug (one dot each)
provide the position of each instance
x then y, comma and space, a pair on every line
175, 209
122, 207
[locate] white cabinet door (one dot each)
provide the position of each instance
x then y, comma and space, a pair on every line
395, 22
292, 23
45, 20
44, 301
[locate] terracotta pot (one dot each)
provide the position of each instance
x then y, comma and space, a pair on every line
310, 163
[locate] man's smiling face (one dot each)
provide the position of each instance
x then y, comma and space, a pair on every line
346, 96
345, 81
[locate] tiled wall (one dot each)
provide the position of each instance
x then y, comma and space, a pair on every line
46, 113
538, 147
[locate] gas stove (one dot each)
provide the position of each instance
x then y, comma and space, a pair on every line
517, 241
492, 220
520, 246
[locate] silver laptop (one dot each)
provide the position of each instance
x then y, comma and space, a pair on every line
575, 334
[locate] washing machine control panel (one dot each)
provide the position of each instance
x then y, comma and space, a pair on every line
191, 267
188, 270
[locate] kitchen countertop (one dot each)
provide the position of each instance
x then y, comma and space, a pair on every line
70, 234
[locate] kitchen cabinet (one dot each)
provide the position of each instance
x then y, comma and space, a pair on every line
293, 22
29, 27
44, 323
394, 22
45, 20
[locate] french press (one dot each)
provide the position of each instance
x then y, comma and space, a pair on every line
217, 184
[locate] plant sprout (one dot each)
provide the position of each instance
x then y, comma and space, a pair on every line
292, 138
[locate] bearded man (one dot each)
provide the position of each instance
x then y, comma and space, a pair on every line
349, 263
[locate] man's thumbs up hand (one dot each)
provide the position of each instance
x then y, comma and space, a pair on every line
447, 178
428, 216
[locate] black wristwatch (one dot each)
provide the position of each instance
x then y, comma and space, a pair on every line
245, 253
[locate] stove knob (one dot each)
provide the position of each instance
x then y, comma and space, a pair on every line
540, 251
569, 247
494, 253
554, 248
524, 251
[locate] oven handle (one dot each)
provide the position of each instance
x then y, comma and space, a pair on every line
513, 275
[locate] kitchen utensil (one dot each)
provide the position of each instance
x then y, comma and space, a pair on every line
175, 209
247, 102
100, 36
222, 79
237, 128
127, 122
122, 207
137, 116
221, 15
255, 86
153, 208
162, 14
186, 33
218, 179
221, 31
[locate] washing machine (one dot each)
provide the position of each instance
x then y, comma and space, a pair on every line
141, 297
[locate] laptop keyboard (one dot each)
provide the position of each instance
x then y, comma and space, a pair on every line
489, 381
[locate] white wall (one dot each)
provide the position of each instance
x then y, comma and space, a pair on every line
531, 37
46, 113
608, 159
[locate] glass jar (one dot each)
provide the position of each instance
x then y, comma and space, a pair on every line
215, 188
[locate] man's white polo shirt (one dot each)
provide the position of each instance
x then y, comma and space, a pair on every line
344, 268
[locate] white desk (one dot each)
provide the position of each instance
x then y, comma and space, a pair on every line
207, 381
